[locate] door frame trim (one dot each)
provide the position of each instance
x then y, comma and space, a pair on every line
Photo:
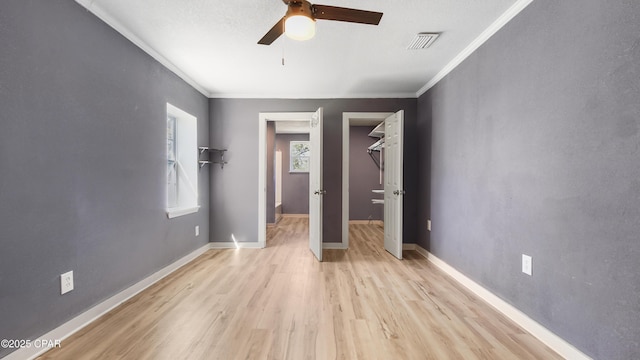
263, 117
349, 118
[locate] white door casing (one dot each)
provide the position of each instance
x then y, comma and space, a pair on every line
316, 191
393, 183
350, 119
263, 118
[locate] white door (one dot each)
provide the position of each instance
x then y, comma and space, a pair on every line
315, 185
278, 177
393, 182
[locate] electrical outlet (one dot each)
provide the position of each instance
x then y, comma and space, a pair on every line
429, 225
197, 230
527, 264
66, 282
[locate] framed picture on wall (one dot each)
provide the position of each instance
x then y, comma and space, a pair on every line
299, 152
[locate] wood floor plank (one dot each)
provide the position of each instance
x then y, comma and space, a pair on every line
280, 303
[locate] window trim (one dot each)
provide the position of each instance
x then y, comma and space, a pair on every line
191, 149
175, 212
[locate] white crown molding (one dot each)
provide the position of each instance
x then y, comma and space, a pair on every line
296, 96
484, 36
117, 26
77, 323
543, 334
514, 10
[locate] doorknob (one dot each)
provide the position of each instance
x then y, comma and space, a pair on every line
320, 192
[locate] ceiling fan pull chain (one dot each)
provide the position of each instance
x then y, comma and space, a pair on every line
283, 54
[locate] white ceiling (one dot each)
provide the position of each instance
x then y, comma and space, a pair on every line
212, 44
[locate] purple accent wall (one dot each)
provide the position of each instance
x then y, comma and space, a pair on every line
295, 186
364, 176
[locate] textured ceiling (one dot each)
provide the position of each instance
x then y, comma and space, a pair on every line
213, 44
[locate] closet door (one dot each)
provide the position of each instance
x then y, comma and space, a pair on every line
393, 182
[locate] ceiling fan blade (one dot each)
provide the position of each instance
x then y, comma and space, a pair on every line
273, 34
345, 14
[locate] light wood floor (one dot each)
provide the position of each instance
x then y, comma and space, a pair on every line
280, 303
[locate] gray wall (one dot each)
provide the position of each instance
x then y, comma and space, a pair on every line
536, 150
83, 159
234, 125
364, 176
295, 186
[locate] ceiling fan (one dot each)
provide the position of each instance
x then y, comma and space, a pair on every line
299, 21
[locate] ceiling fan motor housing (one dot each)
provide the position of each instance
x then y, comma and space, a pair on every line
299, 21
297, 8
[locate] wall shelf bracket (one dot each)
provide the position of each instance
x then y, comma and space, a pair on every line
208, 161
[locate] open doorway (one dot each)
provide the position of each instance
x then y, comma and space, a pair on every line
314, 122
388, 152
366, 175
360, 122
287, 172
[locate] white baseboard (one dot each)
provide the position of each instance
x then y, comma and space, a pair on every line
238, 245
409, 246
422, 251
334, 246
543, 334
67, 329
366, 222
72, 326
301, 216
255, 245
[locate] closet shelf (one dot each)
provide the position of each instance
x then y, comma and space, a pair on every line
377, 201
378, 131
376, 146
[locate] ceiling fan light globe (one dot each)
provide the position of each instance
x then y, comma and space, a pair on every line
300, 27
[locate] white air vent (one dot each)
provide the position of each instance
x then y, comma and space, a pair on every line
422, 41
